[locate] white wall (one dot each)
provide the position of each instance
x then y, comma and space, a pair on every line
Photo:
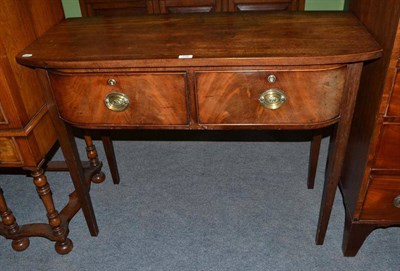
324, 4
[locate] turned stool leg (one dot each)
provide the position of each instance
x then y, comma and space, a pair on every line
43, 189
314, 155
93, 159
8, 219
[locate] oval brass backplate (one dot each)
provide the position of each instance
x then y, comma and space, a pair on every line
117, 101
396, 202
272, 98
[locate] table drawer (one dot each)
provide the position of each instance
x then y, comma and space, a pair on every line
382, 197
310, 97
388, 152
153, 99
9, 153
394, 102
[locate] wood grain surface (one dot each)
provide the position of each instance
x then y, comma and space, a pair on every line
155, 98
378, 203
227, 39
313, 96
388, 152
9, 152
394, 102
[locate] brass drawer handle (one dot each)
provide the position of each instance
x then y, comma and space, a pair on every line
272, 98
117, 101
396, 201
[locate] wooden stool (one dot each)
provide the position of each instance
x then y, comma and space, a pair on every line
57, 227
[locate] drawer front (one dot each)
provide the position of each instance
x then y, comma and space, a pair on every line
233, 97
382, 197
9, 152
394, 103
116, 8
261, 5
155, 99
179, 6
388, 152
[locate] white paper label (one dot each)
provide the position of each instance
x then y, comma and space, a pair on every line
185, 56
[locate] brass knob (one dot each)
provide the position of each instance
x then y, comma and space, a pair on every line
396, 201
112, 82
271, 78
272, 98
116, 101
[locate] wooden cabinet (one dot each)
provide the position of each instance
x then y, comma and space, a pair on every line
134, 7
371, 177
27, 131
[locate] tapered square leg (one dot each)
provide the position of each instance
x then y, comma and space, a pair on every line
314, 155
110, 154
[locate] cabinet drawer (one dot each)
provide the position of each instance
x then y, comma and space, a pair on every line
311, 97
181, 6
379, 203
261, 5
388, 152
115, 8
394, 103
9, 152
153, 99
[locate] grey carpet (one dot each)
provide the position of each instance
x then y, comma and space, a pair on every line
198, 206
